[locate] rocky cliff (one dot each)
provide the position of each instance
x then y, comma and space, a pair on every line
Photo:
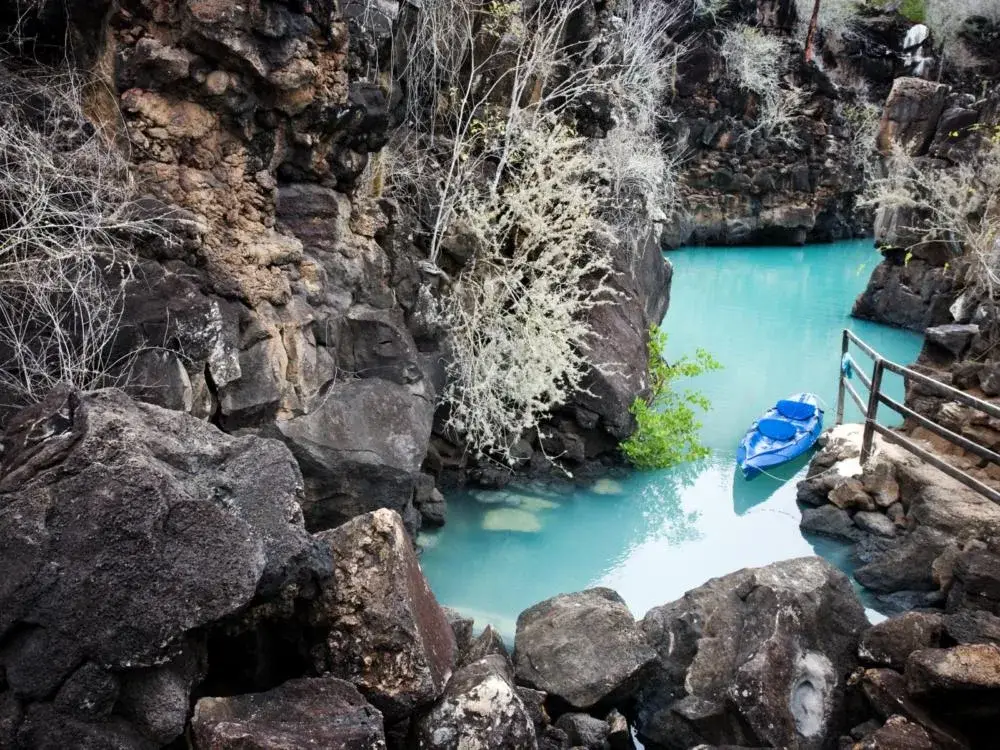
284, 301
743, 184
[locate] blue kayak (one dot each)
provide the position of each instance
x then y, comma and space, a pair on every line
786, 430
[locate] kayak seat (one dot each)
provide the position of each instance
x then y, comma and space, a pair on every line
795, 409
776, 429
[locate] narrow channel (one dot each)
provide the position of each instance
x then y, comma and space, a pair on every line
773, 317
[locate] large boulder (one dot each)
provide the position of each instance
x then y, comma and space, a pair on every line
480, 710
126, 529
583, 648
302, 714
361, 449
757, 658
385, 631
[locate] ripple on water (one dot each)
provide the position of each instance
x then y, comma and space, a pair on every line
773, 317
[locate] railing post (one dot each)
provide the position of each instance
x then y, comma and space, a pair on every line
872, 413
844, 345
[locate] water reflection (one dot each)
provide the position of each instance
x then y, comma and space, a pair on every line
773, 316
748, 494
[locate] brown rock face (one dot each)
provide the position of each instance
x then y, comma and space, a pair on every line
386, 632
192, 74
911, 115
305, 714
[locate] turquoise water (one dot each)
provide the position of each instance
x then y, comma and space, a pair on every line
773, 317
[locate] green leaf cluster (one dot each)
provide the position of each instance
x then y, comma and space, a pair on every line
667, 422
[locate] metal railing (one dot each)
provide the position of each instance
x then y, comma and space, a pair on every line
876, 397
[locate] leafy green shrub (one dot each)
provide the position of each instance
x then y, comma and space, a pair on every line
666, 424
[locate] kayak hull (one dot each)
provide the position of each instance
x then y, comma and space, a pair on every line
785, 431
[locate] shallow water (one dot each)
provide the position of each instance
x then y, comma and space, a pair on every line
773, 317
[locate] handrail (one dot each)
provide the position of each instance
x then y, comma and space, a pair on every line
876, 397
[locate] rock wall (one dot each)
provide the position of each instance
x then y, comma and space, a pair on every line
744, 187
286, 302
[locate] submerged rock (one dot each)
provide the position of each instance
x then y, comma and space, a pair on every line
385, 631
583, 648
302, 714
511, 519
758, 657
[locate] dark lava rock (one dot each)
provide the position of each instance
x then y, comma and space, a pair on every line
905, 565
386, 632
583, 648
461, 628
831, 521
534, 703
976, 581
897, 734
890, 642
156, 700
302, 714
480, 710
758, 657
620, 733
584, 730
361, 449
960, 681
126, 527
885, 690
875, 523
972, 626
46, 728
953, 337
487, 643
553, 738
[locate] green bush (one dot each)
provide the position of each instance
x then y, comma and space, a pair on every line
666, 424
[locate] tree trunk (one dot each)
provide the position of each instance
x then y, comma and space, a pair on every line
811, 36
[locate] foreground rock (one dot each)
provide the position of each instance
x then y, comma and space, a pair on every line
126, 528
303, 714
480, 710
582, 648
386, 632
756, 658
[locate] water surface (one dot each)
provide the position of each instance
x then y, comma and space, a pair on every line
773, 317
